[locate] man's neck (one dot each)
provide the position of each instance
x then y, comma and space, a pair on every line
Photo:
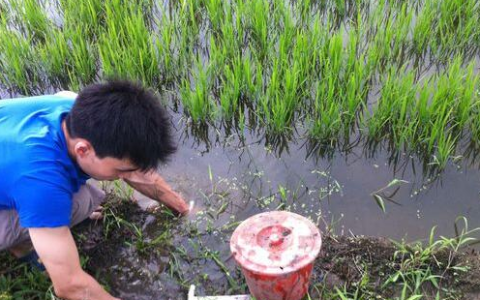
69, 141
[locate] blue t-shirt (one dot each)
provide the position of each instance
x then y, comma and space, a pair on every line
37, 176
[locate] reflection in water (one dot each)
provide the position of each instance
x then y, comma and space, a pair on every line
295, 173
211, 135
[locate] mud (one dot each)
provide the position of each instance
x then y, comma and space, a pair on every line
132, 270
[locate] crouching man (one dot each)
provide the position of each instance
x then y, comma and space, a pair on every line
51, 145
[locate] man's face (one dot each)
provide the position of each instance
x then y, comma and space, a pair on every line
107, 168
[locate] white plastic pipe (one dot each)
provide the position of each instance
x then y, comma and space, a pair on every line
191, 296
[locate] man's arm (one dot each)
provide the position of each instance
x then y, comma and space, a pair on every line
152, 185
56, 248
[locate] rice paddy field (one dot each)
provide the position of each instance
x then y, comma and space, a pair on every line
360, 115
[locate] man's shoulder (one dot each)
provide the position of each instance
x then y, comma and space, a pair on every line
38, 101
32, 138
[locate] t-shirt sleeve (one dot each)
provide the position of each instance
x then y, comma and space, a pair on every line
42, 202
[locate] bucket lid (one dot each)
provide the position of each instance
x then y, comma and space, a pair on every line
275, 243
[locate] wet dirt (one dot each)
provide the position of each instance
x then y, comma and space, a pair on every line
132, 270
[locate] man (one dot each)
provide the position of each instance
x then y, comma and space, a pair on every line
51, 145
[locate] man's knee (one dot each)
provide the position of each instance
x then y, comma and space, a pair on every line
85, 201
11, 233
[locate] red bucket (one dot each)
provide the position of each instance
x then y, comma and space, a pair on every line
276, 251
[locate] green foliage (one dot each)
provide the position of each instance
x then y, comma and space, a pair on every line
316, 64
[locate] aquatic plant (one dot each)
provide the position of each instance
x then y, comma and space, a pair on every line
19, 68
317, 65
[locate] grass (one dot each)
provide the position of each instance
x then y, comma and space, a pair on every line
17, 61
196, 252
401, 272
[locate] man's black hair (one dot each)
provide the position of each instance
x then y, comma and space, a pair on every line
124, 120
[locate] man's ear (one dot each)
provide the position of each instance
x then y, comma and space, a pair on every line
83, 148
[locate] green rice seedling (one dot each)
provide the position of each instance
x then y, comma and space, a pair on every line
230, 42
54, 55
257, 11
402, 99
355, 82
259, 75
248, 76
334, 53
423, 114
283, 53
390, 37
88, 13
111, 56
375, 18
340, 8
392, 113
456, 28
19, 70
326, 120
304, 54
304, 9
216, 13
32, 19
164, 45
437, 128
229, 95
126, 47
448, 106
218, 55
238, 11
468, 95
475, 117
403, 25
422, 30
83, 58
284, 20
111, 42
140, 49
445, 150
196, 99
67, 55
232, 86
279, 103
188, 29
188, 18
4, 9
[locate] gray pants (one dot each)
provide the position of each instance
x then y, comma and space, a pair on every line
85, 201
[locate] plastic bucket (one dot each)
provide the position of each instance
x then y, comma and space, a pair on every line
276, 251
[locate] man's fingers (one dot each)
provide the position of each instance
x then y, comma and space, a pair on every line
97, 214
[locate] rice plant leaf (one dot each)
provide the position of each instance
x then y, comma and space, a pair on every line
396, 182
210, 175
222, 209
380, 202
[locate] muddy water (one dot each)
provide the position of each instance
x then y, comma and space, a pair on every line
336, 192
231, 180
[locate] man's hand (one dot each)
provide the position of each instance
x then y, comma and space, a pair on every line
152, 185
56, 248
